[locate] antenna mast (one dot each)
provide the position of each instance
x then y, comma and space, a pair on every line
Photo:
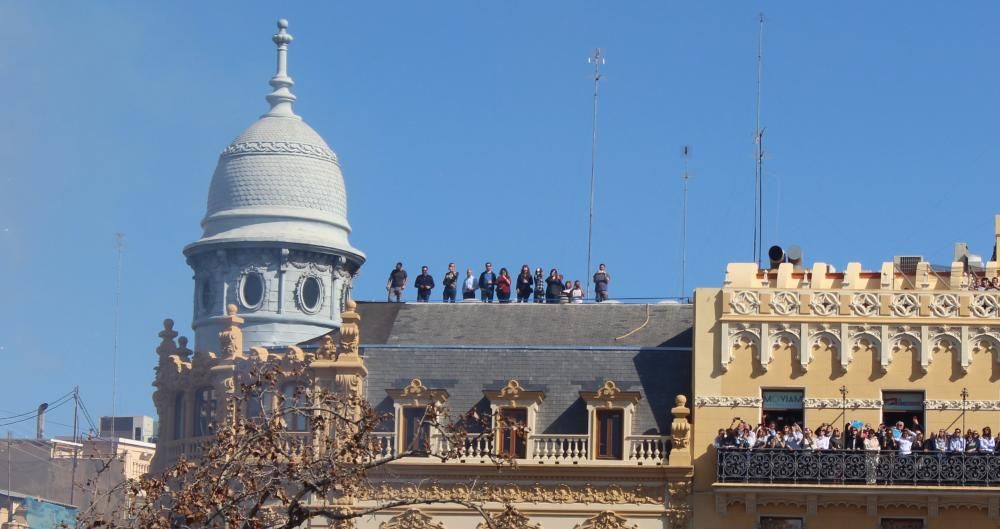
119, 248
685, 153
758, 139
597, 60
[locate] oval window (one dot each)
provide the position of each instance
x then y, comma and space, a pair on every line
311, 292
253, 290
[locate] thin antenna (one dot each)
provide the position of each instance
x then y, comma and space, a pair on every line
76, 439
685, 153
120, 248
597, 60
758, 139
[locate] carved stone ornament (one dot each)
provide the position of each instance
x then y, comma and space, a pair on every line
785, 303
510, 518
745, 302
825, 304
415, 388
945, 305
864, 304
680, 427
327, 349
167, 346
350, 330
608, 393
985, 306
710, 401
411, 519
280, 147
231, 336
905, 305
517, 493
512, 390
606, 520
975, 405
851, 404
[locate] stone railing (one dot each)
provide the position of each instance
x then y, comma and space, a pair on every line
560, 448
386, 444
647, 449
190, 448
974, 305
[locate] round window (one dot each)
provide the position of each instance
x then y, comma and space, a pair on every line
252, 290
311, 293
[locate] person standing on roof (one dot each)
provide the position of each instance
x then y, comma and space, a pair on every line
424, 284
396, 283
487, 283
601, 280
469, 285
450, 281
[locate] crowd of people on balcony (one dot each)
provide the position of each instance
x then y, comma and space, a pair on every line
984, 283
855, 436
526, 287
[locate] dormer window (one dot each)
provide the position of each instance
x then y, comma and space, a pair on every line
609, 415
515, 409
411, 404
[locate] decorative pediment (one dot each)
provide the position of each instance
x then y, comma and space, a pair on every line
411, 519
510, 518
606, 520
417, 394
610, 393
514, 394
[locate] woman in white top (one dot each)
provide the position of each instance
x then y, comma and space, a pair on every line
576, 295
987, 443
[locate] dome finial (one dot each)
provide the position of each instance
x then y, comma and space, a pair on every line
281, 98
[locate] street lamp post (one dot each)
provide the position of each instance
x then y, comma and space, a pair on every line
843, 403
965, 400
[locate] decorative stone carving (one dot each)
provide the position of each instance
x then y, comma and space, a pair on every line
231, 336
975, 405
785, 303
510, 518
851, 404
711, 401
606, 520
825, 304
905, 305
517, 493
864, 304
945, 305
745, 302
280, 147
680, 427
350, 330
415, 388
182, 349
744, 334
609, 393
167, 346
327, 349
987, 338
411, 519
985, 306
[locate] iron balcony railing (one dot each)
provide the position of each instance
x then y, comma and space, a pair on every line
808, 467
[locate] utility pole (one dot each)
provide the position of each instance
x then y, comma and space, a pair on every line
76, 410
758, 139
686, 153
10, 481
597, 60
120, 248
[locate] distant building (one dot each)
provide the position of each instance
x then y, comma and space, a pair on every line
137, 428
22, 511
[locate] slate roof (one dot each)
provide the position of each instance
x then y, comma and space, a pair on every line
558, 349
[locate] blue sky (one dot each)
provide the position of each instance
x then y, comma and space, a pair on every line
463, 129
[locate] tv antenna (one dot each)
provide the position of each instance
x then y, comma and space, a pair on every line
119, 248
686, 154
597, 60
758, 140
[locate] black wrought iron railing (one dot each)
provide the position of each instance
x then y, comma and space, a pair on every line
857, 467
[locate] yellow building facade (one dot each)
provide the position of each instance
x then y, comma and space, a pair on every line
906, 342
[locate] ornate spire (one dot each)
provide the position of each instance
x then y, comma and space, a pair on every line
281, 98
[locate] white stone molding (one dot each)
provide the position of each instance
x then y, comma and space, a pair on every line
828, 335
865, 304
974, 405
905, 305
986, 338
825, 304
280, 147
745, 302
733, 334
950, 339
785, 303
905, 336
781, 335
945, 305
727, 401
874, 335
985, 306
851, 404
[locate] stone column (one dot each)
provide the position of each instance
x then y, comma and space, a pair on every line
680, 430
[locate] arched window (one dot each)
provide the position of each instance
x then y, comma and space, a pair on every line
255, 405
204, 410
296, 421
179, 415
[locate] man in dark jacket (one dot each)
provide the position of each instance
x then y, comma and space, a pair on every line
450, 280
424, 284
487, 284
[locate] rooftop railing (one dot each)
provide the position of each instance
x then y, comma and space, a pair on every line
859, 467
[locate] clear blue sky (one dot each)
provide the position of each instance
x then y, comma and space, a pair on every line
463, 129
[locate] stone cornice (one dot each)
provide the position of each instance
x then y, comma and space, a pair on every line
719, 401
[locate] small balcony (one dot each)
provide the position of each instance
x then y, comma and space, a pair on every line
857, 467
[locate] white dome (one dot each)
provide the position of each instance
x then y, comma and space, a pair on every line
278, 182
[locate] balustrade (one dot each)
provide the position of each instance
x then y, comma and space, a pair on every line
557, 448
648, 449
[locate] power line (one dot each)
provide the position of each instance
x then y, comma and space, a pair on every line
35, 416
35, 411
